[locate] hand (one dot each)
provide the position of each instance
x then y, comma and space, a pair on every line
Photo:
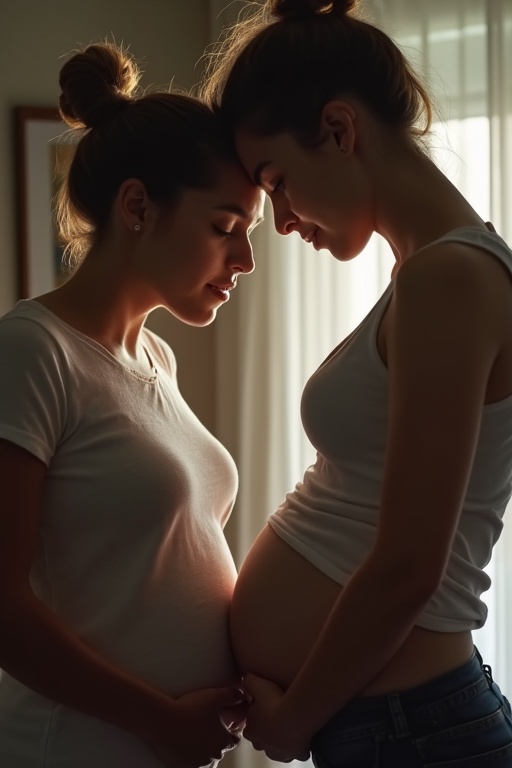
234, 717
268, 727
195, 734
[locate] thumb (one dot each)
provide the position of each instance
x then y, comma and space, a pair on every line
254, 685
230, 696
250, 684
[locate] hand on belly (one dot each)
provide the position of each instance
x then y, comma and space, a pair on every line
267, 727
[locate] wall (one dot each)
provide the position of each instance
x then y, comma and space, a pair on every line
169, 36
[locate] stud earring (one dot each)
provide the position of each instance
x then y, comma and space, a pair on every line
137, 227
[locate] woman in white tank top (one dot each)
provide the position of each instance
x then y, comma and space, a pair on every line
353, 611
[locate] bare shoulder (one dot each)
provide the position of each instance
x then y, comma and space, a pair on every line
455, 265
455, 280
452, 311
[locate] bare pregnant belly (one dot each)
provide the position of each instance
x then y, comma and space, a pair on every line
280, 604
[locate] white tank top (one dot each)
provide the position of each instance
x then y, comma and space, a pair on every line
331, 516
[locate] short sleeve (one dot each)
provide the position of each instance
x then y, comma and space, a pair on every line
32, 391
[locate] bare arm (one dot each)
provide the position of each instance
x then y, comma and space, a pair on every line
41, 652
440, 356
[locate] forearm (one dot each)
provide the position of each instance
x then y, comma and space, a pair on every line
372, 618
37, 649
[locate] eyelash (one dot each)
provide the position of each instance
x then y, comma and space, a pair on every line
278, 186
221, 232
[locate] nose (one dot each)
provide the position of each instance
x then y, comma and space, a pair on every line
243, 260
285, 221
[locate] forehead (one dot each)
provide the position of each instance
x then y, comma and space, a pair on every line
256, 152
235, 188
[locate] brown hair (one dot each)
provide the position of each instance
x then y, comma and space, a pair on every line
169, 141
284, 60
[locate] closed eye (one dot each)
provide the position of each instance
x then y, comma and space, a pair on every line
222, 232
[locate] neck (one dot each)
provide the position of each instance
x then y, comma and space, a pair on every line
104, 302
419, 203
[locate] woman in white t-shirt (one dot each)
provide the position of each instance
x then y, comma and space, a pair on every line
115, 576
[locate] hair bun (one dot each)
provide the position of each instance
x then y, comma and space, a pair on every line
96, 83
293, 9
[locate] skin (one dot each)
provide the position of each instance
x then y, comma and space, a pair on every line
361, 179
172, 261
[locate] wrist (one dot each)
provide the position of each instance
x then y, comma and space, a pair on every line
155, 717
296, 717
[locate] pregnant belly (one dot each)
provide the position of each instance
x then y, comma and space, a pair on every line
279, 606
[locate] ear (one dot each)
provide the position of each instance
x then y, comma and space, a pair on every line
337, 124
133, 204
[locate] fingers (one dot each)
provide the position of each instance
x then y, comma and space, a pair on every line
279, 756
275, 755
250, 683
233, 718
254, 686
231, 742
236, 738
229, 696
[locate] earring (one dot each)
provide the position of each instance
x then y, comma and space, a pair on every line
137, 227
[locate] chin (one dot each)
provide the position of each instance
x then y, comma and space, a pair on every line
203, 321
341, 254
196, 320
336, 250
351, 246
345, 253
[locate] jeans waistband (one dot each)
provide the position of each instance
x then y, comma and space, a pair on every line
425, 701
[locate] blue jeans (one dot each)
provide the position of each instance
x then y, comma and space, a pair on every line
458, 720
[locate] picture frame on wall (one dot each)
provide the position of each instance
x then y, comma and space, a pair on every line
43, 148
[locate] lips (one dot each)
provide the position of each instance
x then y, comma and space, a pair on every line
226, 287
221, 291
310, 236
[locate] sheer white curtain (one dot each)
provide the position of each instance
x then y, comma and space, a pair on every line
299, 304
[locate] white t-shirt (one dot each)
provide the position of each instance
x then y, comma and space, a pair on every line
130, 548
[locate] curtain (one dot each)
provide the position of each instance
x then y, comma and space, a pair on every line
299, 304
